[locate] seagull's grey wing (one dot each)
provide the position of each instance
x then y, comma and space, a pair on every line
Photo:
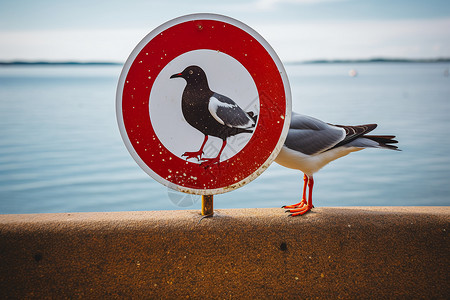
353, 133
310, 136
228, 113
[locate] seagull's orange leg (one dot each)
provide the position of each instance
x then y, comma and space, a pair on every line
206, 162
303, 202
308, 204
197, 154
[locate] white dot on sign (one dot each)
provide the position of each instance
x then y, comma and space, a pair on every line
282, 117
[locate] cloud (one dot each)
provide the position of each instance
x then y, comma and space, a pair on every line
271, 4
265, 5
61, 45
358, 39
293, 41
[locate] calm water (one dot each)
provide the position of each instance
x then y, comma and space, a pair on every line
61, 151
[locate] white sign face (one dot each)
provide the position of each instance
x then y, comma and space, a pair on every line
226, 76
203, 104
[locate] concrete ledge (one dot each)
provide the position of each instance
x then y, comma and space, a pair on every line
365, 252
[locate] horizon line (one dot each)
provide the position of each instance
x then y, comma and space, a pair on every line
313, 61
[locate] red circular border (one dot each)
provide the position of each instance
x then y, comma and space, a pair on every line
155, 55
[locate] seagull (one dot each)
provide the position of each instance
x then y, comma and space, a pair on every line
211, 113
311, 144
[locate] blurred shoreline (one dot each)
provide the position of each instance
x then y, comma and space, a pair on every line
319, 61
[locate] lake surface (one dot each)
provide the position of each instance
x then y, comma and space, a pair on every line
61, 151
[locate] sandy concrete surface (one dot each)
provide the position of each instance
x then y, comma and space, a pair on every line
330, 253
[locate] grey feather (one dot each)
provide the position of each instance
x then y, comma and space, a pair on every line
363, 143
311, 136
231, 114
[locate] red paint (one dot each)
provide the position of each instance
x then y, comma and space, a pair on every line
182, 38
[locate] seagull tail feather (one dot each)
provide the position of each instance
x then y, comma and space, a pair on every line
253, 117
384, 141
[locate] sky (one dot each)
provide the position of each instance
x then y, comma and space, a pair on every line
298, 30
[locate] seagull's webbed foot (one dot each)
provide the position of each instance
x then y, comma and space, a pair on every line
303, 206
299, 211
298, 205
207, 162
196, 154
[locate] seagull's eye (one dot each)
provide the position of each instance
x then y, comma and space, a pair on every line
191, 72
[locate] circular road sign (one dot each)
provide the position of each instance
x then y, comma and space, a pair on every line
203, 104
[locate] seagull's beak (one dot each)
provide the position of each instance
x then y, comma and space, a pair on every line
176, 75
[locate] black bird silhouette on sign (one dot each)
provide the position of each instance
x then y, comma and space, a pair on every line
211, 113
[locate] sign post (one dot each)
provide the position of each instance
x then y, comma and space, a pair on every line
203, 105
207, 205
